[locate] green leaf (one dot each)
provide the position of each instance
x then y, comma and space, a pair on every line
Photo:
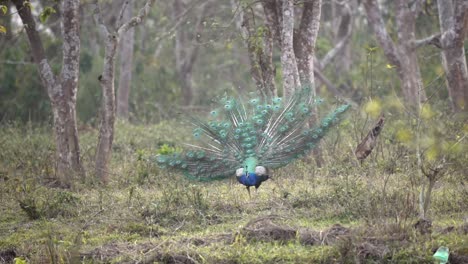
3, 29
19, 261
46, 13
4, 9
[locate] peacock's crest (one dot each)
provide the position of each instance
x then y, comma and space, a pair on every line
263, 130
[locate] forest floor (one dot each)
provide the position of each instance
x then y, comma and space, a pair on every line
341, 213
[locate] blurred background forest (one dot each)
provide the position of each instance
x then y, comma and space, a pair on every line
401, 60
210, 33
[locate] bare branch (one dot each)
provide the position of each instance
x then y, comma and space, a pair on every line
11, 62
137, 19
431, 40
119, 21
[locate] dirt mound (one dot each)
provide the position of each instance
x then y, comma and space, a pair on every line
263, 229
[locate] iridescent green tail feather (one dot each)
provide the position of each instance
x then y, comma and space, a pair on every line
271, 130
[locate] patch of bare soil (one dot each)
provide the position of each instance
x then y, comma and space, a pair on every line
135, 253
7, 256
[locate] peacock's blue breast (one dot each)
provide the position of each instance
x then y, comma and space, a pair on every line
249, 180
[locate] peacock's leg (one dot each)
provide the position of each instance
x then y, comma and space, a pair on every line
248, 190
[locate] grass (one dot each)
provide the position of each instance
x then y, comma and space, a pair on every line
341, 213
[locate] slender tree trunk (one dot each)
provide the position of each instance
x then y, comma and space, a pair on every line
453, 18
305, 54
126, 66
106, 128
410, 74
70, 74
307, 36
106, 80
61, 89
288, 59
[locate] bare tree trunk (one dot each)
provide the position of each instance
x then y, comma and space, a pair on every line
106, 80
69, 76
61, 89
106, 127
410, 74
402, 56
453, 17
288, 59
305, 54
126, 66
307, 36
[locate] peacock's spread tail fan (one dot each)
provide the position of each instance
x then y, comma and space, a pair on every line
261, 131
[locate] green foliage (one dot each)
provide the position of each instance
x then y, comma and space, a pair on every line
165, 149
4, 9
22, 98
42, 203
45, 14
20, 261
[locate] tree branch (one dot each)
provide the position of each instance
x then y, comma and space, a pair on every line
137, 19
119, 21
45, 71
431, 40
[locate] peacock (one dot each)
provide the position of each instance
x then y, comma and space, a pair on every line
249, 137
